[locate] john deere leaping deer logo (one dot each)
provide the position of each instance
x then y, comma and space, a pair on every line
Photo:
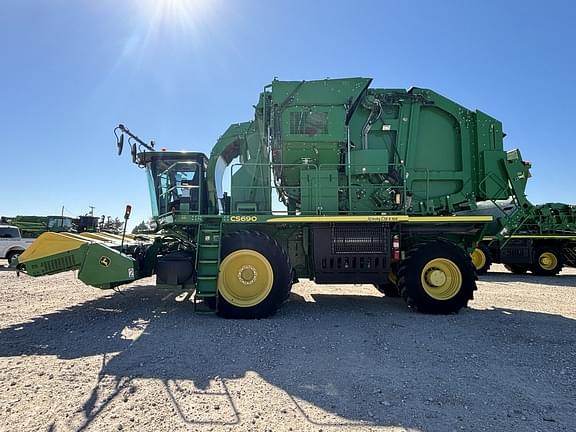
104, 261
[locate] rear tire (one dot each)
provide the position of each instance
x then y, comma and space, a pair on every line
481, 258
516, 268
255, 276
437, 278
548, 261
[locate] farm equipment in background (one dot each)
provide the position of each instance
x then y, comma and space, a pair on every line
536, 238
332, 181
33, 226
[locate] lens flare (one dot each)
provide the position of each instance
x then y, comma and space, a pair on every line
182, 15
161, 24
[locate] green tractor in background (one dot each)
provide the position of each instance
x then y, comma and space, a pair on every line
540, 239
33, 226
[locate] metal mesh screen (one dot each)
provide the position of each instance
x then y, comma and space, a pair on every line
308, 123
364, 239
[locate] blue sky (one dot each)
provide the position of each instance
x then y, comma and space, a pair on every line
182, 72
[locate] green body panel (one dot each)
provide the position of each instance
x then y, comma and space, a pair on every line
362, 162
251, 190
319, 191
103, 267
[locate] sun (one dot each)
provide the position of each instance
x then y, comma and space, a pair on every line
183, 15
164, 24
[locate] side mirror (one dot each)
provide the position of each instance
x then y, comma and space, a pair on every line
133, 152
120, 144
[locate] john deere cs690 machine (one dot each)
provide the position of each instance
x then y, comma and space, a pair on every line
332, 181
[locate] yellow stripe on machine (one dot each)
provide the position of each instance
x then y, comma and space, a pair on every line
434, 219
535, 236
51, 243
381, 218
377, 218
115, 238
102, 236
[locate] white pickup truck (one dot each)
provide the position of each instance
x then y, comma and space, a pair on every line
11, 242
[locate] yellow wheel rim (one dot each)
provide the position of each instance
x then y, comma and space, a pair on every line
441, 279
478, 258
548, 261
245, 278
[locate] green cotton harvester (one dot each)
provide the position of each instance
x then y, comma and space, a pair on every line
332, 181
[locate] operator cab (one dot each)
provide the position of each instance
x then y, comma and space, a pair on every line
177, 182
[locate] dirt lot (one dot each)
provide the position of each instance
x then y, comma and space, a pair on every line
334, 358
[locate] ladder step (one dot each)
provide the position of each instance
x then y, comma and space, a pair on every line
207, 270
207, 254
208, 259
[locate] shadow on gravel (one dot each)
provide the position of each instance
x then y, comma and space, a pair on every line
506, 277
360, 358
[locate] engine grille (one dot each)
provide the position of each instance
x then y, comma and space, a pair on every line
351, 253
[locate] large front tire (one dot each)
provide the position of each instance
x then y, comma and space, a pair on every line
437, 278
255, 275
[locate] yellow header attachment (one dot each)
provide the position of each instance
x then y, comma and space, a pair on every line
51, 243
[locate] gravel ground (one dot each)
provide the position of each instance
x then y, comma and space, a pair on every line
333, 358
